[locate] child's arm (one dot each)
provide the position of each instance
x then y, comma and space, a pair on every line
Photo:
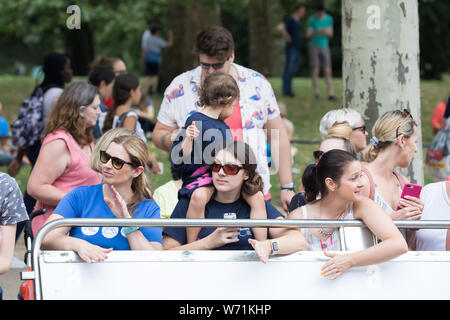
191, 133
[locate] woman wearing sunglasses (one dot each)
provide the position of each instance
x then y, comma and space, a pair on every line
124, 193
233, 173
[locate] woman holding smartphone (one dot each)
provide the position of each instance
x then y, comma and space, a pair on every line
393, 144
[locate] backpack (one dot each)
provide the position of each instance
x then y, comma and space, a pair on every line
438, 154
28, 128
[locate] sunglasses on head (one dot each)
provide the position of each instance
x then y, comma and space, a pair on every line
405, 114
229, 169
116, 162
317, 154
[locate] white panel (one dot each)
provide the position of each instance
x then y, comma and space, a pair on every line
238, 275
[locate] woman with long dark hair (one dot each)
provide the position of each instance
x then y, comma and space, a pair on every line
333, 190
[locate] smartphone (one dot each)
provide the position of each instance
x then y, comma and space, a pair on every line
410, 189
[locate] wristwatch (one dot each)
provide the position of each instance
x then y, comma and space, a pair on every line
274, 245
288, 186
128, 230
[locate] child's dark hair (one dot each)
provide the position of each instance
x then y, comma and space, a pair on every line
332, 165
121, 93
218, 90
100, 74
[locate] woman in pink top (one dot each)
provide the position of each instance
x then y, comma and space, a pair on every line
63, 160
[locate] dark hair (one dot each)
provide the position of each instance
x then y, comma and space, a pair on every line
100, 74
244, 153
154, 28
215, 42
297, 6
121, 93
320, 6
218, 90
52, 66
332, 165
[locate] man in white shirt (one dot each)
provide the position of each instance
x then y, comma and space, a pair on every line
255, 119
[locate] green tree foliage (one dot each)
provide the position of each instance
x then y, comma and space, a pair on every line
117, 25
434, 37
31, 28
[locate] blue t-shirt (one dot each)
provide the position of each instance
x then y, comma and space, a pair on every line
315, 23
4, 127
87, 202
293, 28
217, 210
213, 134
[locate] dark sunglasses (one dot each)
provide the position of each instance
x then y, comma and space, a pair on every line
215, 66
229, 169
362, 128
317, 154
116, 162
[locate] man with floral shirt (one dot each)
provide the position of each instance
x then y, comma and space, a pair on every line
255, 119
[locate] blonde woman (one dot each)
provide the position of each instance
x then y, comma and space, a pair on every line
358, 135
393, 144
124, 193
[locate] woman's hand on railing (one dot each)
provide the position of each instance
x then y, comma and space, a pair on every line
338, 264
263, 249
92, 253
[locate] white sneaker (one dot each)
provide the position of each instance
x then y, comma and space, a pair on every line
17, 263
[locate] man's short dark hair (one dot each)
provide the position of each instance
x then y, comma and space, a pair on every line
297, 6
320, 6
215, 42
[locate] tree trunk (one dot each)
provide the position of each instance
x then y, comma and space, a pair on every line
80, 47
186, 19
265, 42
380, 71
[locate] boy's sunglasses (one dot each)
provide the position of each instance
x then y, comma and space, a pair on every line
116, 162
229, 169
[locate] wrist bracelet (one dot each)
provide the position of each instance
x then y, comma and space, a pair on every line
128, 230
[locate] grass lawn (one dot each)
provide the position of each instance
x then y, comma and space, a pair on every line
303, 110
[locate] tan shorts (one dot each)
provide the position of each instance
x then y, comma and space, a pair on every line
316, 54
